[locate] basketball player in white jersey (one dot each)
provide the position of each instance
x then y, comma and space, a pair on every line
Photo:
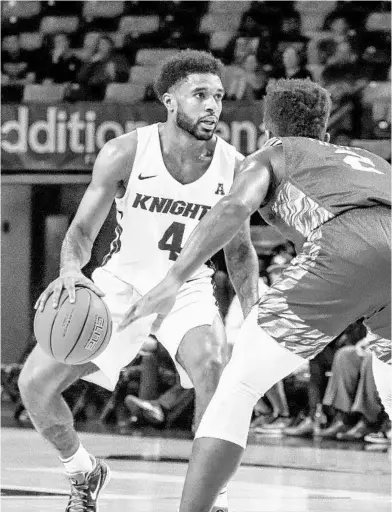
164, 178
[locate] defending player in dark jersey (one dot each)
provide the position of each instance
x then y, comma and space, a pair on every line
333, 202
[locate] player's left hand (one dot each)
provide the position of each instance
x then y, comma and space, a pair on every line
160, 300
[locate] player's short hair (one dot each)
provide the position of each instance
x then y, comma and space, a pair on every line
297, 108
183, 64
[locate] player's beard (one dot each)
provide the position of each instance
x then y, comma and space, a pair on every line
192, 127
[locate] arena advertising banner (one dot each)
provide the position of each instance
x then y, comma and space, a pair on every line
68, 137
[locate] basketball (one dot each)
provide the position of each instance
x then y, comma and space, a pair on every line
74, 333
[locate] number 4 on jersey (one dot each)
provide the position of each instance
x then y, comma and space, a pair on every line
172, 240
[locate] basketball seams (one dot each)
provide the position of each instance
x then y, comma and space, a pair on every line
61, 302
107, 332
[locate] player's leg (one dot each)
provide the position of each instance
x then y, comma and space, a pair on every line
202, 354
222, 434
41, 382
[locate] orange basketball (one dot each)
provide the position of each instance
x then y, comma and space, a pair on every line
74, 333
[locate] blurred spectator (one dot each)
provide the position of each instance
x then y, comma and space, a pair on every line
319, 368
382, 436
340, 29
324, 50
105, 66
355, 12
58, 64
156, 412
251, 38
344, 75
294, 65
353, 395
256, 77
161, 398
291, 29
89, 48
17, 65
271, 14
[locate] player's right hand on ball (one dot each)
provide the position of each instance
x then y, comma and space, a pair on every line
67, 280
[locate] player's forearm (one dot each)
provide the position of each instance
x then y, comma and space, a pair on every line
212, 233
243, 268
75, 251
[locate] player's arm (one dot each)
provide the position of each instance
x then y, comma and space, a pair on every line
107, 175
110, 168
242, 264
223, 221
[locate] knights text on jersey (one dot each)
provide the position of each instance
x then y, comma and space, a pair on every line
157, 214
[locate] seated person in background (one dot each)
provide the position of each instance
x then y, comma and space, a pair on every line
160, 389
291, 29
17, 65
256, 77
324, 50
89, 47
155, 411
104, 67
58, 64
251, 37
318, 381
294, 65
353, 395
339, 28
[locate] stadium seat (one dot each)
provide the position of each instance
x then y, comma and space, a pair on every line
153, 56
30, 40
53, 24
96, 9
19, 9
138, 24
219, 40
211, 23
117, 38
377, 91
44, 93
379, 21
142, 74
125, 93
313, 14
225, 7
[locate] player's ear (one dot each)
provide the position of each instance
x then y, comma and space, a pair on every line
327, 137
169, 101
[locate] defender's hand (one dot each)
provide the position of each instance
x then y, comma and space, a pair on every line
67, 280
160, 301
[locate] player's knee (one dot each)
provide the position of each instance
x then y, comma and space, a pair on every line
29, 382
209, 362
34, 382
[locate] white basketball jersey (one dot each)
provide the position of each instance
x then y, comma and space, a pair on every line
157, 214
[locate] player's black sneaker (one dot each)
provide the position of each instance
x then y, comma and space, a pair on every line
85, 488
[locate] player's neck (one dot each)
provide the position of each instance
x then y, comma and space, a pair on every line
183, 145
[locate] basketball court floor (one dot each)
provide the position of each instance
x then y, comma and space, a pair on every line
148, 472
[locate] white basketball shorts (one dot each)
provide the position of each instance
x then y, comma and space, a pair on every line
195, 306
